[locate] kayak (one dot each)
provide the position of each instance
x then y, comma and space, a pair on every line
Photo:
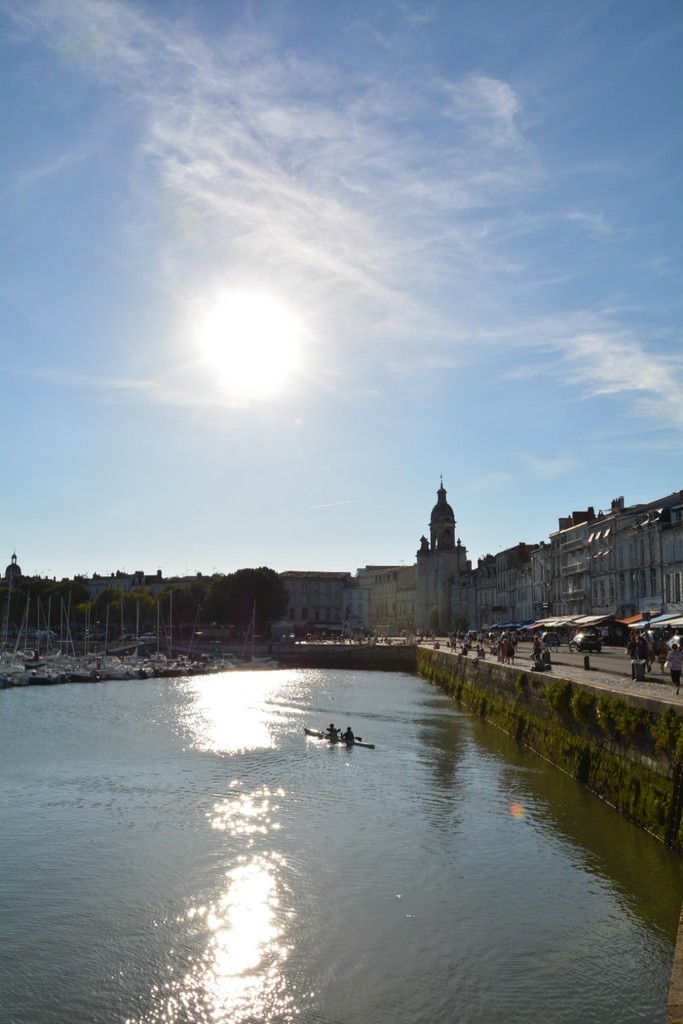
338, 741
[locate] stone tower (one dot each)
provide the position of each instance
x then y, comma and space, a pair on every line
440, 561
442, 523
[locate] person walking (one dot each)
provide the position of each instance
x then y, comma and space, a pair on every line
642, 651
662, 653
675, 663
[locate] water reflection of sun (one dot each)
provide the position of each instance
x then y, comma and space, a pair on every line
225, 716
239, 977
247, 814
238, 974
245, 952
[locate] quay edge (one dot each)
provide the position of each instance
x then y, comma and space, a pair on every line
361, 657
625, 748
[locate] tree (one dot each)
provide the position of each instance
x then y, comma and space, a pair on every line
232, 598
262, 590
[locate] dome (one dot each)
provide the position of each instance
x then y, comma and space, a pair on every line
13, 571
442, 510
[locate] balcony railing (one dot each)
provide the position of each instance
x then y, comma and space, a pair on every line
573, 545
572, 569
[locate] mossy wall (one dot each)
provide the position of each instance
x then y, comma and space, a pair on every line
624, 750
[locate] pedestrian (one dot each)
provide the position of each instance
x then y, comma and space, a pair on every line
662, 653
675, 663
642, 651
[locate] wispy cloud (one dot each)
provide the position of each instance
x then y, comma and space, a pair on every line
364, 193
336, 504
61, 164
595, 223
284, 163
548, 468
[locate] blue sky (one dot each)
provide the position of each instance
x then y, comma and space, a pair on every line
270, 269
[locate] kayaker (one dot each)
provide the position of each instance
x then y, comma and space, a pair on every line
348, 736
332, 732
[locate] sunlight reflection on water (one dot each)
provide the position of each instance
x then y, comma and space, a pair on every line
241, 968
248, 813
238, 977
227, 716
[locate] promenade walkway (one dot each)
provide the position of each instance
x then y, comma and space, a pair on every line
656, 687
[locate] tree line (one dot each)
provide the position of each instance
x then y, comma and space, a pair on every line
226, 601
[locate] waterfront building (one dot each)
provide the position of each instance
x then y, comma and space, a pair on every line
619, 563
482, 581
648, 570
540, 581
316, 599
392, 596
127, 582
570, 564
441, 565
513, 590
358, 604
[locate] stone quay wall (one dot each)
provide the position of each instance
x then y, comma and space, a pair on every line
625, 748
362, 657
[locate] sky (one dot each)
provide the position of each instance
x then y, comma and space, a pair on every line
270, 271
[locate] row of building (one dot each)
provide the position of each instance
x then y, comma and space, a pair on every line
624, 563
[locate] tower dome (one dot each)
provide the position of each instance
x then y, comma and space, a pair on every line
13, 571
442, 510
442, 522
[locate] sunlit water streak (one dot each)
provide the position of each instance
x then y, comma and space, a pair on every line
178, 851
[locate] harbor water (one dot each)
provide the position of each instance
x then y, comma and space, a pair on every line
177, 850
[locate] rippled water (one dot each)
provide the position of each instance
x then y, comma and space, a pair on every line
178, 851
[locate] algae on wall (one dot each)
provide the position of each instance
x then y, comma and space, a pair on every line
626, 754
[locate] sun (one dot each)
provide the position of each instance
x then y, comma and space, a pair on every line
252, 344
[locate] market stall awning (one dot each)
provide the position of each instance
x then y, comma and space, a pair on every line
631, 619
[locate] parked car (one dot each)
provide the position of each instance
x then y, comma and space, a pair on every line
586, 642
551, 639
